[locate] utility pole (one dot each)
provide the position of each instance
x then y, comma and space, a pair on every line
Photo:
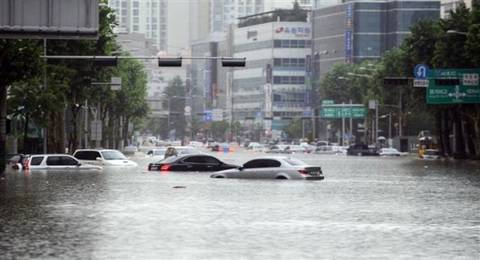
343, 127
351, 120
45, 87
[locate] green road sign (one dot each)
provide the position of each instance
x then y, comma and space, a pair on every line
342, 111
328, 102
453, 86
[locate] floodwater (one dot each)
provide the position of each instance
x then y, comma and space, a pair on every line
395, 208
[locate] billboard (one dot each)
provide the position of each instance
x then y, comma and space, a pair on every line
50, 19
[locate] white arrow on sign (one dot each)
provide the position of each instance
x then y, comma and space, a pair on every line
457, 93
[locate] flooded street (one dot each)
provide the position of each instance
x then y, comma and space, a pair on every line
365, 208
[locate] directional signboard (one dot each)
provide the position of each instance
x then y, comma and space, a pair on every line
207, 116
453, 86
420, 72
343, 111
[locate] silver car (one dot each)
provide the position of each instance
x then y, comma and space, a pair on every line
283, 168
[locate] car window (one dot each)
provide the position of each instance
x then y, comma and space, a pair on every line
211, 160
37, 160
54, 160
195, 159
262, 163
113, 155
87, 155
67, 160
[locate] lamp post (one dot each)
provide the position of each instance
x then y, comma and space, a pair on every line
389, 115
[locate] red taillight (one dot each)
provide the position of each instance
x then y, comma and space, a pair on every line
303, 171
165, 167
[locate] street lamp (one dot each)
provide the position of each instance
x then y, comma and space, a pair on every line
456, 32
389, 115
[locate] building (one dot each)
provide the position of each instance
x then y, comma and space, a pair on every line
359, 30
272, 86
148, 17
449, 5
199, 20
226, 12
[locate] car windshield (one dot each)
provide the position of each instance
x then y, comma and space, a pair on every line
113, 155
294, 162
170, 159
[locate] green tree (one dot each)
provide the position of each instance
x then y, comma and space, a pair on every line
175, 104
294, 129
19, 60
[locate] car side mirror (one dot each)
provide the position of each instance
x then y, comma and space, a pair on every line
99, 159
241, 168
79, 164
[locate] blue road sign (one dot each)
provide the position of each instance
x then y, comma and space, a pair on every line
208, 116
420, 71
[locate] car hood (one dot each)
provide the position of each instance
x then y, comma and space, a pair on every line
119, 163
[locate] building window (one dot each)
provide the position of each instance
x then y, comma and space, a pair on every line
292, 44
289, 80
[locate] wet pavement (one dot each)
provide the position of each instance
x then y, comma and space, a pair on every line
365, 208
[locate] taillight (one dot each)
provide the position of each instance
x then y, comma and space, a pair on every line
303, 171
165, 167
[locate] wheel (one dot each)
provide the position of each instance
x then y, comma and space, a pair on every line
281, 178
219, 177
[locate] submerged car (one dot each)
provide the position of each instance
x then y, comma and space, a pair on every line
57, 162
389, 152
190, 162
431, 154
104, 157
362, 150
283, 168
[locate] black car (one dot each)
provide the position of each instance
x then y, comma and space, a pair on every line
190, 162
362, 150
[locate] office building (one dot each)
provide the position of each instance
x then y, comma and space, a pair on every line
354, 31
273, 83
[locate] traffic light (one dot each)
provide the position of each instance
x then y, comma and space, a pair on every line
233, 62
169, 62
396, 81
105, 61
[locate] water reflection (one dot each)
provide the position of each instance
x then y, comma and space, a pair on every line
369, 207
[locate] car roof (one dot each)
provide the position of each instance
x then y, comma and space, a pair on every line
50, 154
270, 157
95, 150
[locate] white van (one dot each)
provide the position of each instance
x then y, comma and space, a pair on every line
104, 157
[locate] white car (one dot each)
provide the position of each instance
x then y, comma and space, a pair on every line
157, 152
280, 168
104, 157
389, 152
57, 162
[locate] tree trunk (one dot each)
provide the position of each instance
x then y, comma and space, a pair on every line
25, 133
73, 135
459, 136
445, 133
3, 127
470, 138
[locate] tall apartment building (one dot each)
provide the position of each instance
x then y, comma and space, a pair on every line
273, 83
148, 17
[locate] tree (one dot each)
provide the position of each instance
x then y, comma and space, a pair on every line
175, 104
294, 129
19, 60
